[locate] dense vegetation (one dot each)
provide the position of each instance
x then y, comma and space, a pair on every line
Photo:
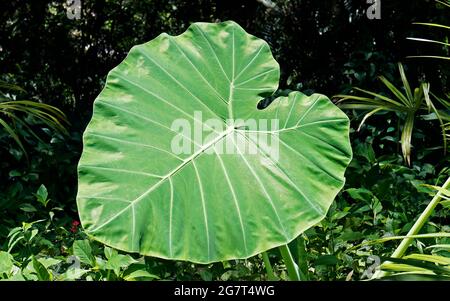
328, 47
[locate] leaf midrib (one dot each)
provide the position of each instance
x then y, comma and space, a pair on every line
169, 175
221, 135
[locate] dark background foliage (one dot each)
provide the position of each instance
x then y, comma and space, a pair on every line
325, 46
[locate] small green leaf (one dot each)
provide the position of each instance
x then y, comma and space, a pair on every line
42, 195
48, 262
360, 194
33, 233
118, 261
17, 276
339, 215
26, 226
446, 204
349, 235
109, 252
138, 272
326, 260
6, 263
73, 274
82, 249
41, 271
15, 173
206, 275
28, 208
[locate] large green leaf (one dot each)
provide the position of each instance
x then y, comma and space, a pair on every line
137, 194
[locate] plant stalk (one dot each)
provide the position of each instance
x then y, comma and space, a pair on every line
302, 261
415, 229
291, 266
268, 266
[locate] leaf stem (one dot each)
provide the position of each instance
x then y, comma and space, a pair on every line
268, 266
415, 229
302, 261
291, 266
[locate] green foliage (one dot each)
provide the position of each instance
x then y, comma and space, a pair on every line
74, 257
398, 264
14, 112
42, 195
6, 264
371, 207
445, 43
406, 102
145, 195
324, 46
65, 61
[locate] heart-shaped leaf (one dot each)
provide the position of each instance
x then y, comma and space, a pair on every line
150, 183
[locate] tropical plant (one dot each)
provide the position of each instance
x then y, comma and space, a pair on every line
445, 43
406, 103
137, 194
15, 112
418, 263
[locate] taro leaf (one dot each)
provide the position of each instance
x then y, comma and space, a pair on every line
219, 199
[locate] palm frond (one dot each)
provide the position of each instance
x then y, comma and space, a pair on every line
406, 103
10, 87
13, 134
445, 44
432, 25
429, 41
406, 136
405, 82
428, 57
444, 3
15, 112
